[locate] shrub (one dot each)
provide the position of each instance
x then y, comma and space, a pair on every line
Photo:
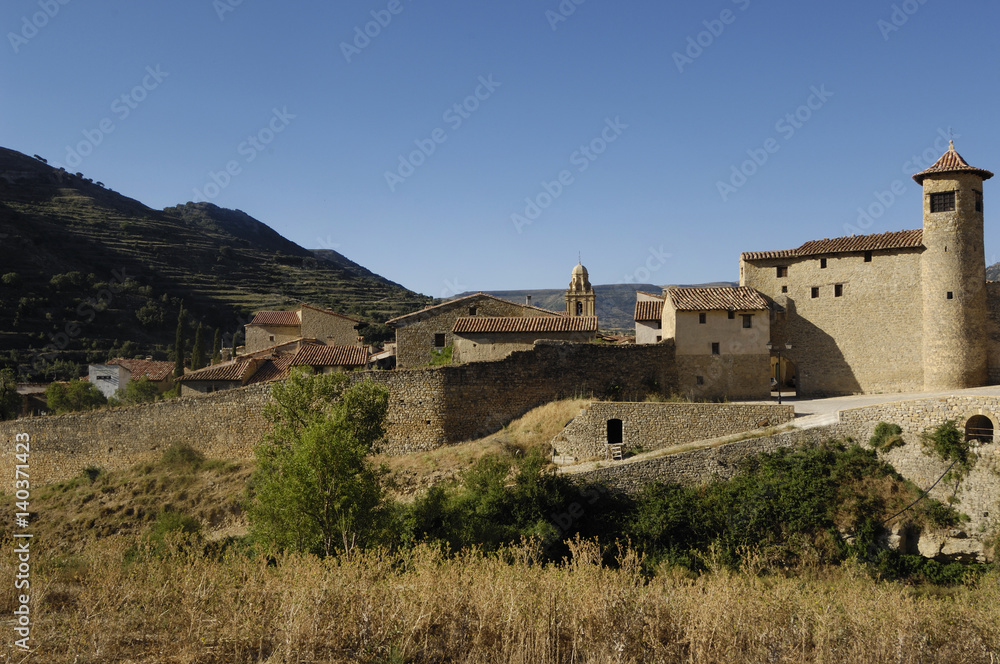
182, 455
75, 395
886, 437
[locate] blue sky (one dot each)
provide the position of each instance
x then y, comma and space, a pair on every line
470, 145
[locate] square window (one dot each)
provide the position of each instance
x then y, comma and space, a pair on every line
658, 338
784, 289
699, 380
951, 296
439, 340
747, 320
782, 271
943, 201
815, 291
979, 200
868, 257
732, 315
270, 338
715, 348
838, 290
659, 325
701, 319
472, 311
822, 263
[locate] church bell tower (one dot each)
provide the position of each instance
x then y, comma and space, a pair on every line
580, 298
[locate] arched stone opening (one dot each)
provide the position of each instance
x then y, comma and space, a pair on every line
614, 432
979, 427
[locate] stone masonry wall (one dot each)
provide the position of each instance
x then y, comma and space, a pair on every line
653, 426
724, 376
485, 347
867, 340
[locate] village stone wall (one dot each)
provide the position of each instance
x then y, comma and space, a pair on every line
653, 426
842, 344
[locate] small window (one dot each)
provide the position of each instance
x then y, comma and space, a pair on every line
838, 290
658, 338
701, 318
943, 201
815, 291
699, 380
715, 348
659, 325
732, 314
979, 200
868, 257
784, 289
439, 340
822, 263
270, 338
782, 271
472, 311
951, 296
747, 320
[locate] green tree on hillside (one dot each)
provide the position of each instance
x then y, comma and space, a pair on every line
179, 343
315, 488
198, 349
73, 396
10, 400
217, 346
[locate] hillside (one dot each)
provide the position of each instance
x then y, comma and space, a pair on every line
85, 269
615, 302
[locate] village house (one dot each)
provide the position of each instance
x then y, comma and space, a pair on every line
270, 328
116, 374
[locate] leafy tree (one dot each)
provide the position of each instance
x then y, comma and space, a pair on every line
179, 343
315, 488
10, 400
198, 349
137, 391
73, 396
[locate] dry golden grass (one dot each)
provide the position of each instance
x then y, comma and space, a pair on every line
420, 606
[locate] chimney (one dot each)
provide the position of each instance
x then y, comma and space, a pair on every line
527, 300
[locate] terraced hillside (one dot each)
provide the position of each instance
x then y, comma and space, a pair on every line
85, 269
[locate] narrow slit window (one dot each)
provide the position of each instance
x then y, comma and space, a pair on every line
868, 257
732, 315
699, 380
715, 348
822, 263
951, 296
701, 318
979, 200
747, 320
838, 290
815, 291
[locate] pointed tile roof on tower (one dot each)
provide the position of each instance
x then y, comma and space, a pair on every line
951, 162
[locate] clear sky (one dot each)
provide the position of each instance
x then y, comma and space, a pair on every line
470, 145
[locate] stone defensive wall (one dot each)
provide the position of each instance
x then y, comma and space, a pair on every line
428, 408
653, 426
977, 495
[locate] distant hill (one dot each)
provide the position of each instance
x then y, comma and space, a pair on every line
95, 273
993, 272
615, 302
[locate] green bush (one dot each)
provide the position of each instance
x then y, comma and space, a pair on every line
182, 455
886, 437
76, 395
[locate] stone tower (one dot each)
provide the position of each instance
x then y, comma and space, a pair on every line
953, 274
580, 298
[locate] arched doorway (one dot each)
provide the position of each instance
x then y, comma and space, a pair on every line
614, 432
979, 427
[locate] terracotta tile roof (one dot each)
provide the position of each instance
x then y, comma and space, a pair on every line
659, 295
648, 310
403, 321
272, 369
331, 356
912, 239
951, 162
472, 324
153, 370
738, 298
234, 370
279, 318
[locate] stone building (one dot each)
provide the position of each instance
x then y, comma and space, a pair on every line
423, 334
485, 338
721, 337
893, 312
116, 374
648, 318
270, 328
